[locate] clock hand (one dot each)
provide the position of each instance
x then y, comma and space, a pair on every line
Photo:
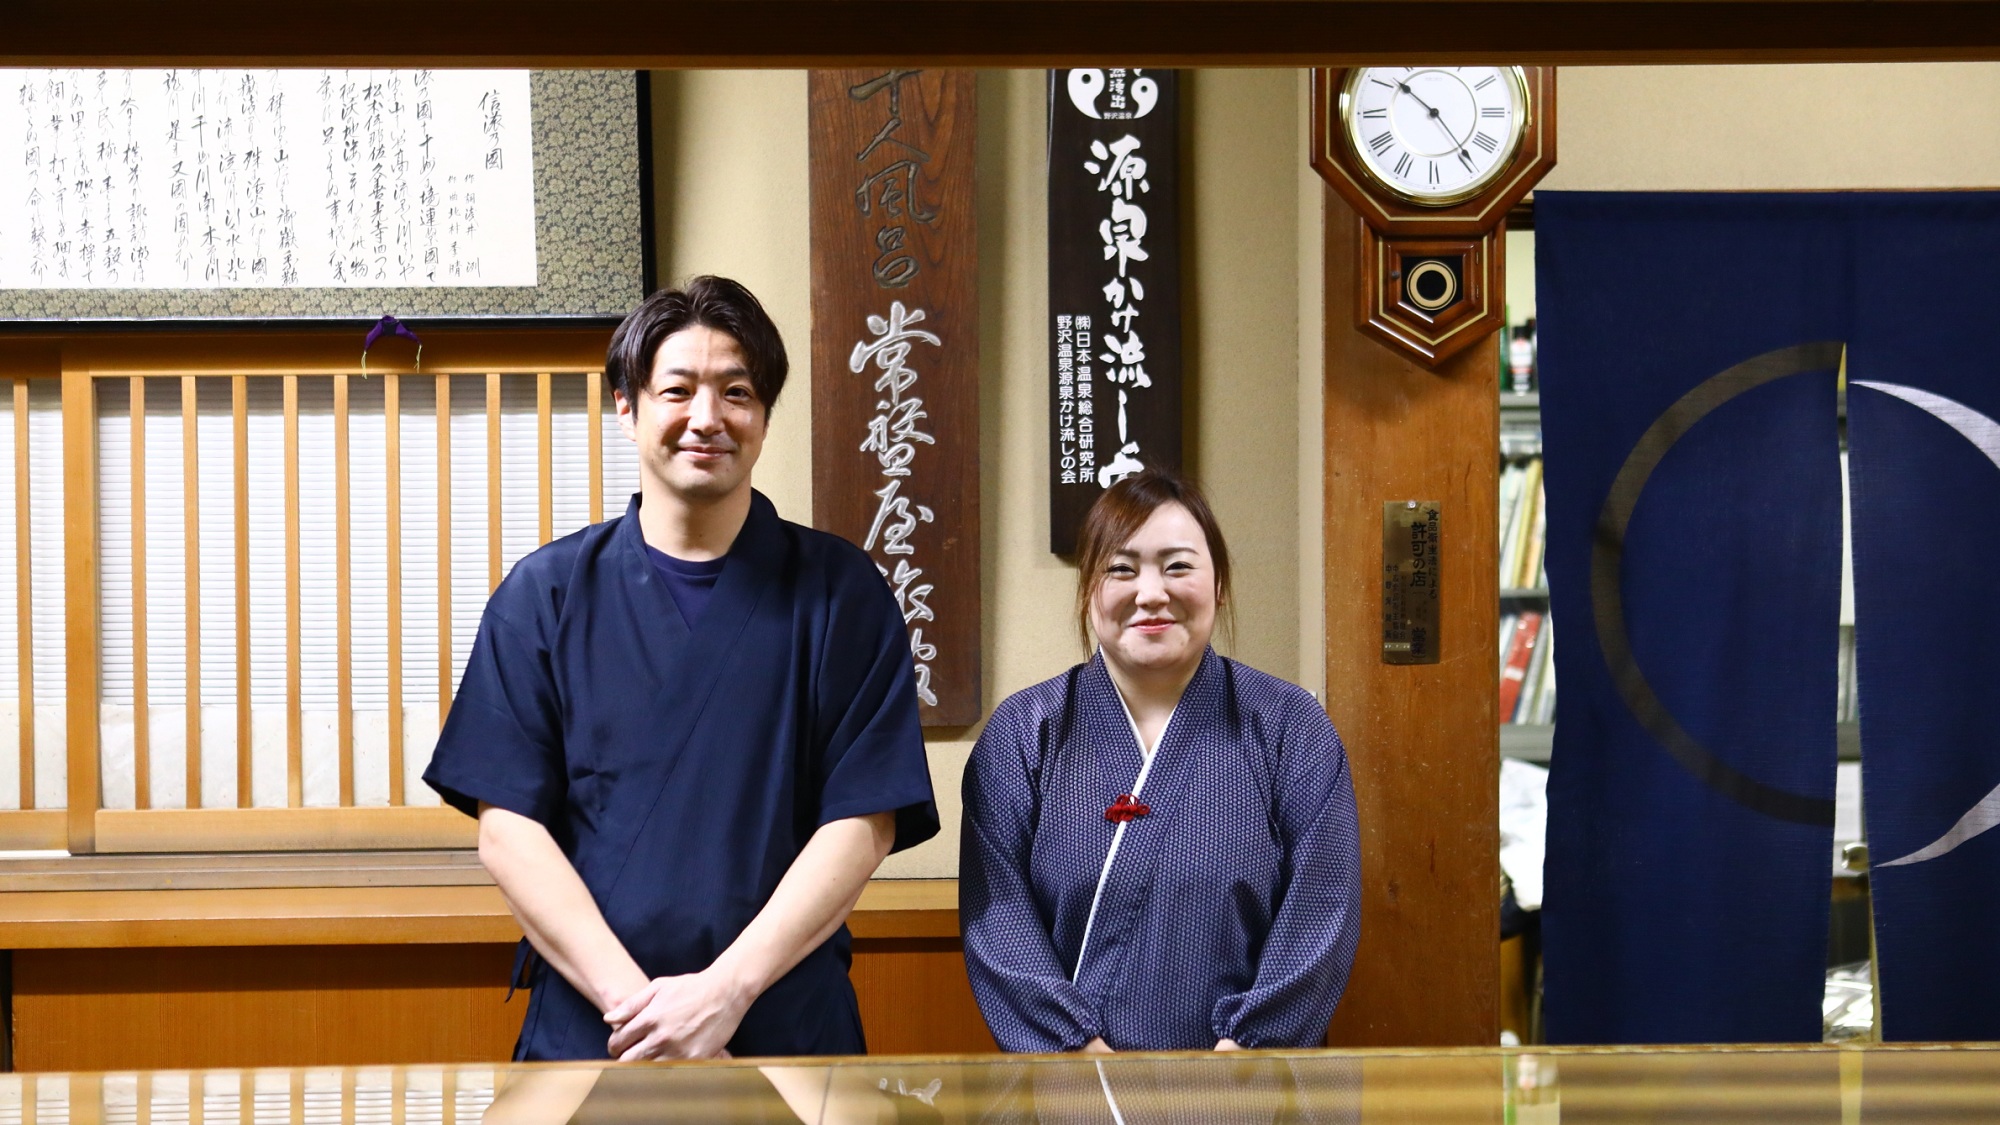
1432, 111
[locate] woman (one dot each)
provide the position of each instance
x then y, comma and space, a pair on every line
1160, 849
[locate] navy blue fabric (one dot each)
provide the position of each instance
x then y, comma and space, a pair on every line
1231, 910
689, 583
682, 770
1672, 912
1926, 513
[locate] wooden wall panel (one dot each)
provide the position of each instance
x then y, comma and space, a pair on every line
81, 633
915, 998
1422, 739
113, 1009
895, 354
120, 1009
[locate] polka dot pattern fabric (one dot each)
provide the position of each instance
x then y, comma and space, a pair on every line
1230, 907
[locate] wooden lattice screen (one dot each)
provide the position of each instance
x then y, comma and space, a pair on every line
246, 592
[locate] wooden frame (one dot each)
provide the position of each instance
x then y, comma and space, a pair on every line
296, 827
81, 628
443, 399
766, 33
493, 513
239, 410
28, 827
392, 444
1385, 310
1422, 739
990, 33
191, 556
1469, 231
294, 659
24, 635
84, 826
373, 828
142, 730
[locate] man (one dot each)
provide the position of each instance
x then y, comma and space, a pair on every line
689, 734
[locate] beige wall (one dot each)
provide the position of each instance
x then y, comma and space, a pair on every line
1768, 128
731, 175
1310, 230
1720, 128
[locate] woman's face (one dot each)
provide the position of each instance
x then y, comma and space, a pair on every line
1154, 608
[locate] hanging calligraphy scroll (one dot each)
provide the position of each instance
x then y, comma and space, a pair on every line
288, 194
896, 354
1114, 285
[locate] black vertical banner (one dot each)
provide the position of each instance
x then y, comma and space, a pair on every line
1114, 285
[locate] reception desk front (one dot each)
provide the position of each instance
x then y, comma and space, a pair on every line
1503, 1086
344, 959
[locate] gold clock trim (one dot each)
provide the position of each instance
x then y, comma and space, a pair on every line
1425, 269
1343, 123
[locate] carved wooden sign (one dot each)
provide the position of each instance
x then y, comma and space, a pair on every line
1114, 285
895, 354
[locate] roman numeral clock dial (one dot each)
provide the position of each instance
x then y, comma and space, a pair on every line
1430, 159
1434, 135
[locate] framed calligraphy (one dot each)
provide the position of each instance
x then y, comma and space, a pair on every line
895, 350
289, 195
1114, 285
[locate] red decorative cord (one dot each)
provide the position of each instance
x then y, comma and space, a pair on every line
1125, 808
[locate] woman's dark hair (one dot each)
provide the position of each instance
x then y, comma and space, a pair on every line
1119, 514
704, 302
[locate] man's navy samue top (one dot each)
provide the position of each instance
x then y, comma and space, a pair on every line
683, 770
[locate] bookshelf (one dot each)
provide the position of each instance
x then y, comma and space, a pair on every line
1527, 728
1527, 742
1526, 639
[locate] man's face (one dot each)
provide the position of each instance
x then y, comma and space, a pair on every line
699, 425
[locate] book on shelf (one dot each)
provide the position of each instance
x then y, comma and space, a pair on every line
1538, 698
1517, 657
1521, 523
1527, 668
1511, 475
1537, 535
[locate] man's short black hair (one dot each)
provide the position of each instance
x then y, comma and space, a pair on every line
704, 302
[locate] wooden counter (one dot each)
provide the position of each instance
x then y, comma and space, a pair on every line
357, 958
373, 915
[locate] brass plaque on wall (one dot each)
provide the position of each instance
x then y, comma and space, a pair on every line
1410, 531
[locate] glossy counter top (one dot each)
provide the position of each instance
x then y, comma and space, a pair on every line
1529, 1086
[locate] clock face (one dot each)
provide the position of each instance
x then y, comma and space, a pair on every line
1434, 135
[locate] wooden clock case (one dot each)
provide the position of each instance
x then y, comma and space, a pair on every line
1398, 234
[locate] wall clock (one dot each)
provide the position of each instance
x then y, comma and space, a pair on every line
1431, 159
1434, 135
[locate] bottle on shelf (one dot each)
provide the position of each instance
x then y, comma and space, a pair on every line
1521, 373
